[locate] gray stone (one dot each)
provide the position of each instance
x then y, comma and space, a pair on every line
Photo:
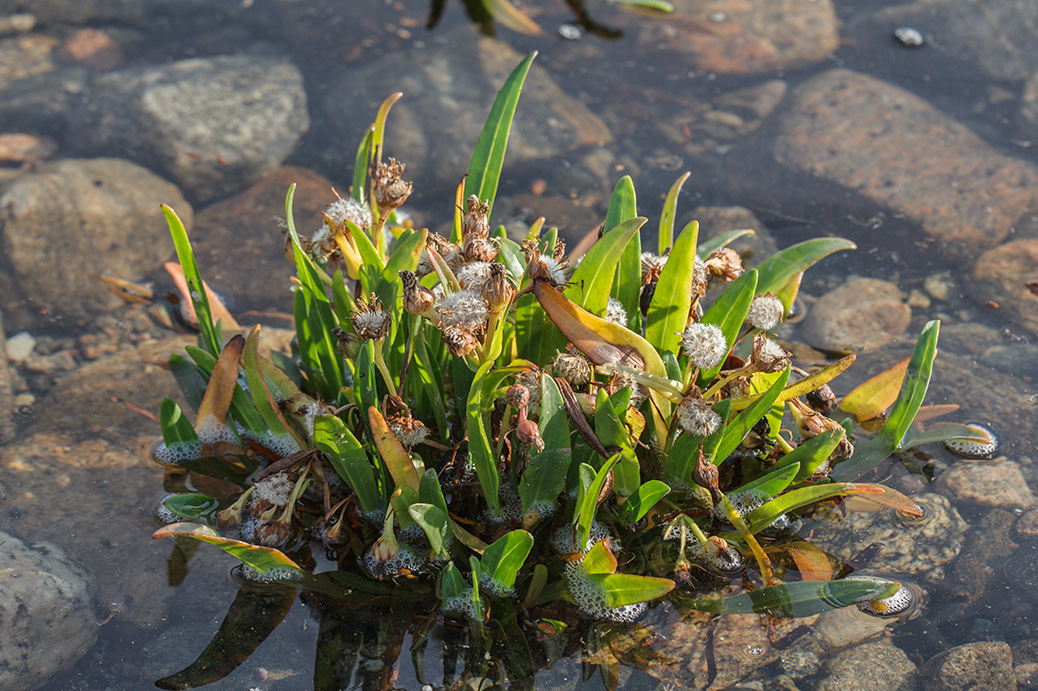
75, 219
876, 666
998, 483
919, 548
448, 86
981, 666
215, 125
862, 314
47, 620
1001, 276
896, 150
79, 11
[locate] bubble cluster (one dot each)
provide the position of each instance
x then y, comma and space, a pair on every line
281, 444
904, 600
742, 502
276, 489
494, 586
406, 558
590, 598
464, 605
564, 540
977, 450
725, 561
180, 452
278, 574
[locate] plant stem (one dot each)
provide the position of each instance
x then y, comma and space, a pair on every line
380, 362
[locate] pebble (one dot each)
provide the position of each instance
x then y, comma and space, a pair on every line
979, 666
898, 151
939, 286
998, 483
748, 37
47, 617
888, 669
1001, 276
863, 314
20, 346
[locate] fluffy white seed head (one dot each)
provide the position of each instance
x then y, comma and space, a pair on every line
697, 417
704, 344
615, 312
765, 312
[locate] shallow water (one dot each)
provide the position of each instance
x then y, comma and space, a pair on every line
666, 115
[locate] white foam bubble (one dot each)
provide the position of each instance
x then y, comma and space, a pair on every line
590, 598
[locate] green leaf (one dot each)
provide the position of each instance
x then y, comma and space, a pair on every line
668, 311
729, 312
784, 266
392, 452
176, 429
599, 559
643, 499
612, 432
545, 473
763, 516
589, 502
740, 426
480, 452
654, 5
812, 453
210, 339
267, 561
621, 589
798, 599
503, 558
452, 583
434, 522
592, 281
708, 247
199, 507
627, 284
350, 461
670, 205
772, 483
262, 398
489, 155
684, 452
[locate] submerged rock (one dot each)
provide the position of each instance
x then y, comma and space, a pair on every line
214, 125
997, 483
863, 313
896, 150
878, 666
980, 666
6, 391
71, 220
751, 37
718, 220
1001, 276
47, 619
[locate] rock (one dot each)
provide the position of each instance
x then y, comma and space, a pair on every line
79, 11
995, 484
981, 666
876, 666
896, 150
1001, 276
25, 56
839, 628
215, 125
7, 396
863, 314
76, 218
241, 248
718, 220
1001, 38
1027, 122
19, 347
919, 548
751, 37
970, 580
92, 48
25, 148
47, 619
448, 86
81, 477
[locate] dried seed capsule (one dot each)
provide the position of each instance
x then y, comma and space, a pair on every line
821, 399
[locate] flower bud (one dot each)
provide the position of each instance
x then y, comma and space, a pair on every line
418, 300
530, 434
821, 399
348, 344
517, 396
706, 475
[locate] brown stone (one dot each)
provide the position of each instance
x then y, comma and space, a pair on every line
998, 483
750, 36
92, 48
980, 666
895, 149
1001, 276
240, 249
863, 314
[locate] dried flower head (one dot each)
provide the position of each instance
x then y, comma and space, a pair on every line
370, 321
464, 308
615, 312
725, 264
417, 298
498, 291
700, 278
652, 265
821, 399
459, 341
517, 396
767, 355
705, 474
389, 189
445, 248
573, 366
480, 249
704, 344
347, 343
766, 312
549, 268
409, 430
474, 222
696, 416
473, 276
349, 209
531, 381
274, 490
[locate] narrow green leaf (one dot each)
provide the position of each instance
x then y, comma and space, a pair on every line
763, 516
480, 452
452, 583
176, 429
434, 522
592, 281
798, 599
262, 398
782, 267
668, 311
545, 473
771, 483
589, 502
812, 453
267, 561
489, 155
741, 424
627, 284
350, 461
670, 206
711, 245
613, 433
643, 499
622, 589
210, 339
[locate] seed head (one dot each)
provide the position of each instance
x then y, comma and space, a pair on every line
767, 355
474, 275
696, 415
700, 278
465, 309
474, 223
342, 210
390, 190
615, 312
704, 344
480, 250
417, 298
706, 475
765, 312
652, 265
347, 343
550, 268
573, 366
528, 433
725, 264
370, 321
517, 396
409, 430
459, 341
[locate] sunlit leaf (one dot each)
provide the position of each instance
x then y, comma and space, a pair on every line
806, 384
872, 397
667, 216
798, 599
509, 17
592, 281
812, 563
267, 561
643, 499
196, 290
599, 559
628, 281
393, 453
588, 504
772, 483
503, 558
763, 516
219, 393
778, 270
813, 452
176, 429
668, 311
728, 312
622, 589
349, 459
742, 423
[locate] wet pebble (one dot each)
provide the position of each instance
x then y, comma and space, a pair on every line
980, 666
898, 151
47, 618
215, 125
25, 56
20, 346
112, 204
889, 669
909, 37
750, 37
1001, 276
998, 483
864, 313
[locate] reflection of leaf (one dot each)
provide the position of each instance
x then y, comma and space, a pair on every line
799, 599
253, 615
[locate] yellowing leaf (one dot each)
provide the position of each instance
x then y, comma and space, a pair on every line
393, 454
877, 394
